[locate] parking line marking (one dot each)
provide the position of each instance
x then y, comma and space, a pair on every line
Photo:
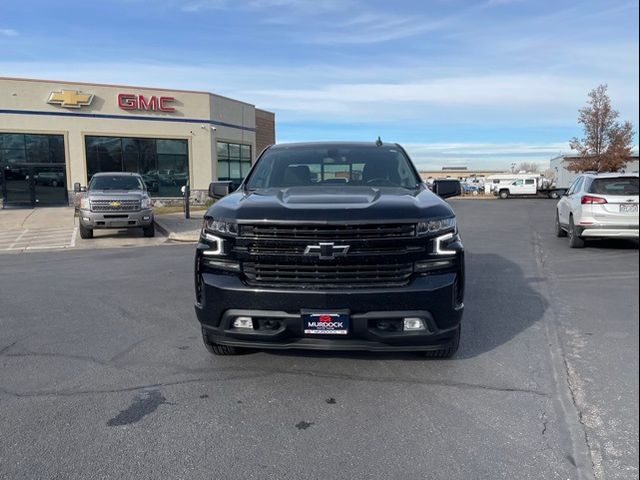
72, 244
18, 239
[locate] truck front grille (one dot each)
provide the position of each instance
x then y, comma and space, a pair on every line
115, 205
329, 232
326, 276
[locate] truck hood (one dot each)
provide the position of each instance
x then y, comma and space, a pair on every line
328, 204
119, 194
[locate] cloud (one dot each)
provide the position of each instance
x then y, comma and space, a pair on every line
8, 32
364, 94
370, 28
499, 156
290, 6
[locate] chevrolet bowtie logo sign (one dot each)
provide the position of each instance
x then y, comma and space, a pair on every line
70, 98
115, 204
326, 250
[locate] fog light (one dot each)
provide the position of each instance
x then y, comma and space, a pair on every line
243, 322
86, 219
384, 325
411, 323
268, 324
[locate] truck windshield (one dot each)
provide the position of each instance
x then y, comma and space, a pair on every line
115, 182
307, 166
615, 186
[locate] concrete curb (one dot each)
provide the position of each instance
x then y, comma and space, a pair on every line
187, 237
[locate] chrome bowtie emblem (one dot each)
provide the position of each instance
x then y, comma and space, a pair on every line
327, 250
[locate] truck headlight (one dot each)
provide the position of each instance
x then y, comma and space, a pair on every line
84, 203
145, 203
432, 227
219, 226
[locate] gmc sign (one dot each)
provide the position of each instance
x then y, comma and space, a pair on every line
130, 101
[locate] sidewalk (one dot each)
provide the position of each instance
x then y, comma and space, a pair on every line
178, 228
36, 218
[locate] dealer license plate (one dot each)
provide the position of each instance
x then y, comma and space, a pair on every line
325, 323
629, 208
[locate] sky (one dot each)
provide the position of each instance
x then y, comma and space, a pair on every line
481, 84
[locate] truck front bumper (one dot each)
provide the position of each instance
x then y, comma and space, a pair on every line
435, 298
96, 220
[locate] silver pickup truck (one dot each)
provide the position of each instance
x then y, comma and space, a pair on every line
115, 200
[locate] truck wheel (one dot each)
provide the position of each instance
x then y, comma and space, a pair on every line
554, 195
85, 232
149, 231
504, 194
218, 349
560, 232
574, 240
448, 352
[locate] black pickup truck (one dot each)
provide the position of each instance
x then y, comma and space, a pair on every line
336, 246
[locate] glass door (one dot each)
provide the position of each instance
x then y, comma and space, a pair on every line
49, 184
17, 185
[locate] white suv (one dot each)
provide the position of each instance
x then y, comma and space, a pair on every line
599, 206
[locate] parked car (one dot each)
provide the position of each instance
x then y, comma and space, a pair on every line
115, 200
599, 206
52, 179
470, 189
293, 259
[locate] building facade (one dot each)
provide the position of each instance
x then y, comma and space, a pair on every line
54, 134
564, 177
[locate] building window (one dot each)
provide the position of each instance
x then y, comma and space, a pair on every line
163, 163
234, 161
31, 148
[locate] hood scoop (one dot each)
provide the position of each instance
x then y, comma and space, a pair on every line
357, 196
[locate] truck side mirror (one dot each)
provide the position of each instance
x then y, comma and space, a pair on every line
219, 189
447, 188
76, 187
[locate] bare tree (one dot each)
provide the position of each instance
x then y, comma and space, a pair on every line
606, 145
529, 167
549, 173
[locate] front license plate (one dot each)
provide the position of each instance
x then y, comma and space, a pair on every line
325, 323
629, 208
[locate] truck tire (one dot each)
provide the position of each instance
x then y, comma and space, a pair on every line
504, 194
448, 352
574, 239
554, 195
85, 232
149, 231
560, 232
217, 349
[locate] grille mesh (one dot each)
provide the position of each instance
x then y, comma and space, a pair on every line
115, 205
327, 276
329, 232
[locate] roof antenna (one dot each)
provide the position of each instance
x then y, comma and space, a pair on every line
378, 142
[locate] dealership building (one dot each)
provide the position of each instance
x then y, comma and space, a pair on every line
54, 134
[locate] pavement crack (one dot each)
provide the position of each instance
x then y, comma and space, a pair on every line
545, 422
6, 348
248, 373
582, 455
595, 453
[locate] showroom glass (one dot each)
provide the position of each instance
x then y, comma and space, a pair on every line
32, 169
31, 148
615, 186
348, 166
234, 161
163, 163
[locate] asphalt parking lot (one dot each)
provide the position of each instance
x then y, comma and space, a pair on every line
103, 375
